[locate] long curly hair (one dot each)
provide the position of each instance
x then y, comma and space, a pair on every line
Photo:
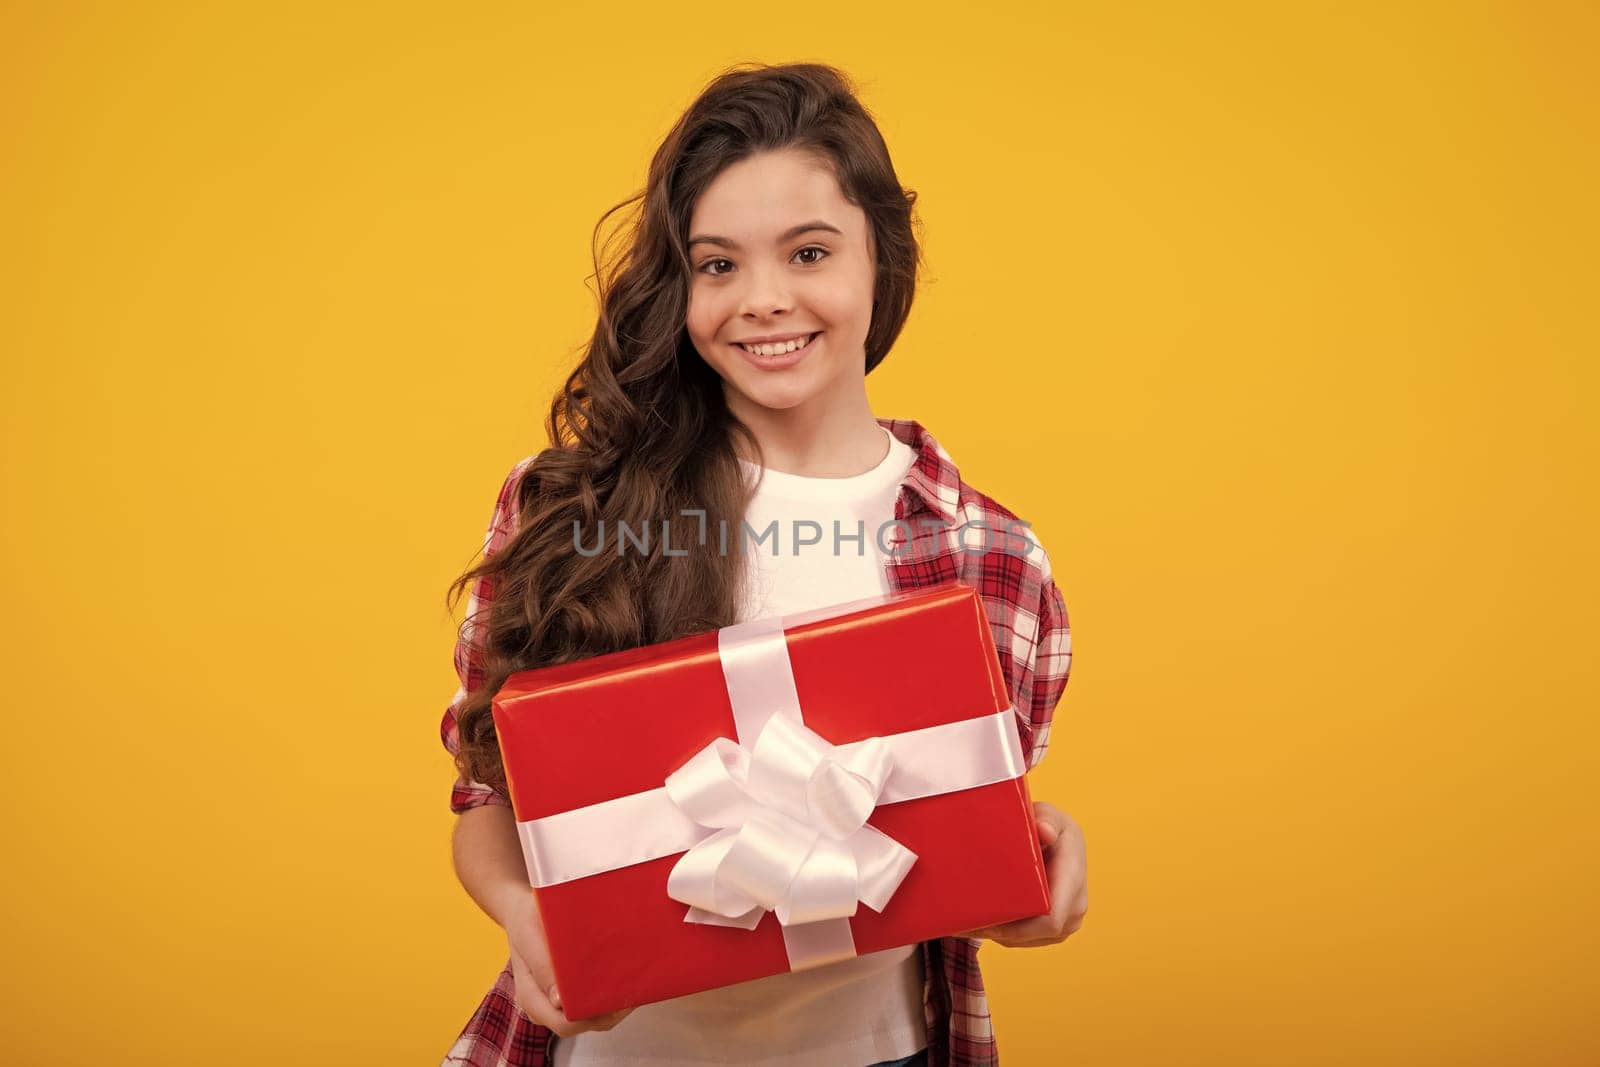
641, 431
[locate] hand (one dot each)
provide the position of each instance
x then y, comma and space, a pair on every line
536, 989
1066, 866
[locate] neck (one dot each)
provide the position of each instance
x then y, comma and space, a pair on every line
829, 441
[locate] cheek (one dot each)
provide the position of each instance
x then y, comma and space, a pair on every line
704, 316
694, 316
849, 300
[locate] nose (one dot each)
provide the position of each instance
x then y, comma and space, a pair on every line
766, 293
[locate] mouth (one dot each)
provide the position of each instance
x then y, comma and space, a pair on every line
778, 355
778, 349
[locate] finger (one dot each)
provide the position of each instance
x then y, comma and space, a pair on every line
542, 976
544, 982
1037, 942
1032, 933
606, 1022
1066, 886
1022, 931
1079, 912
534, 1000
536, 961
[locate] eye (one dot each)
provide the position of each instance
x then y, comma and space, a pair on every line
710, 265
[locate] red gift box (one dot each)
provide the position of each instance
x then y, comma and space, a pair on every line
589, 746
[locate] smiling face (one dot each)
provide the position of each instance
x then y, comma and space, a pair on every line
778, 252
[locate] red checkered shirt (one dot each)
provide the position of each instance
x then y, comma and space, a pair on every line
1028, 618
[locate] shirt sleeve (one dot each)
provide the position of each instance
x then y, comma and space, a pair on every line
1052, 662
465, 793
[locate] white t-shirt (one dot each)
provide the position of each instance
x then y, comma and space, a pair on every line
857, 1011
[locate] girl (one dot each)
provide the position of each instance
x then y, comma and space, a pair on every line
771, 267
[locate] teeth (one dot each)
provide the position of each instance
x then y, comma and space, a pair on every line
778, 350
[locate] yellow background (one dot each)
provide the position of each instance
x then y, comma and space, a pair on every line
1278, 325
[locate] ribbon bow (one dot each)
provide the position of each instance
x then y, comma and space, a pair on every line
790, 816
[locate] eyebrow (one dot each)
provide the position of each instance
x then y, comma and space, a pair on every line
787, 235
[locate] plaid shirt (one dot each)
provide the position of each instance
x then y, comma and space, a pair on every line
1029, 621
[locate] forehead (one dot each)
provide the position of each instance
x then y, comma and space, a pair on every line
758, 197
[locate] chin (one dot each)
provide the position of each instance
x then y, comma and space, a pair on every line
785, 402
778, 399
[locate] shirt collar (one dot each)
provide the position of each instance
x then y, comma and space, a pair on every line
933, 478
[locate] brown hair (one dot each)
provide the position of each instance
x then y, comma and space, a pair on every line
641, 430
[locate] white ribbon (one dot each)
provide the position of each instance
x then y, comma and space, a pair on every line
790, 830
777, 821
